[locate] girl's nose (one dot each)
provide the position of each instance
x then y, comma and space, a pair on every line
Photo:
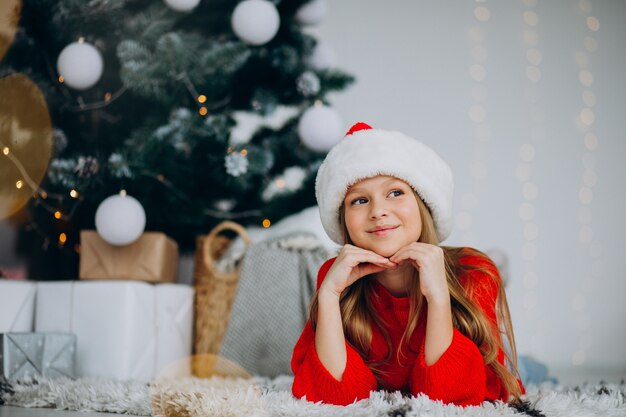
377, 210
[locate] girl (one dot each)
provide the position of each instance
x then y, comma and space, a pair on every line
394, 310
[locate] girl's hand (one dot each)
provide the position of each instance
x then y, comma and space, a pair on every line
351, 264
429, 261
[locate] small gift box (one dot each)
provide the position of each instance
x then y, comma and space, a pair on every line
23, 355
153, 258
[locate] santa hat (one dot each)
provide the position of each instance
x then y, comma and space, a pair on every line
366, 152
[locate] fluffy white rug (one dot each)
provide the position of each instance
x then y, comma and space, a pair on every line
263, 397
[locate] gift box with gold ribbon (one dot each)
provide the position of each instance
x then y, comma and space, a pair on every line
153, 258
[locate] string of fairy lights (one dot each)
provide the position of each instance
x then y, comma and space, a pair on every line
524, 170
478, 116
53, 202
43, 198
585, 125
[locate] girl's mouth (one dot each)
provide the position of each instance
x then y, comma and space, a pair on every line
384, 231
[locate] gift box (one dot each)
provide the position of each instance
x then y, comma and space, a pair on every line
153, 258
126, 330
24, 355
17, 304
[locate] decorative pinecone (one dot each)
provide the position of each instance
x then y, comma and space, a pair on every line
87, 167
308, 84
236, 164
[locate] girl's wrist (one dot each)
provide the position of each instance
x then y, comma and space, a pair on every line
327, 294
439, 300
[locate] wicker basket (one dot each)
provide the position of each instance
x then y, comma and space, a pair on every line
214, 295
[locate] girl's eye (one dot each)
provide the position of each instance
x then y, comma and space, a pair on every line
396, 193
358, 201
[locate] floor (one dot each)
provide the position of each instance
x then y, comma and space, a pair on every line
565, 376
8, 411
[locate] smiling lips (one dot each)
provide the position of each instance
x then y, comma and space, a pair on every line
382, 230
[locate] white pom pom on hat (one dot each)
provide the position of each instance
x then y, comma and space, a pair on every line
366, 152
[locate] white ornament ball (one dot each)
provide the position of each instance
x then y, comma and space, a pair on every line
320, 128
80, 64
323, 57
255, 21
182, 5
312, 12
120, 219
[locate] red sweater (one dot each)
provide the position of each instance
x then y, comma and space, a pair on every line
459, 376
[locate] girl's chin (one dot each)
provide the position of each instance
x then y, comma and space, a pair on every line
382, 250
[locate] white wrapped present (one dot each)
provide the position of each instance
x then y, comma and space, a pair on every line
17, 304
124, 329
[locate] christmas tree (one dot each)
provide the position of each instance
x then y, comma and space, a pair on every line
201, 110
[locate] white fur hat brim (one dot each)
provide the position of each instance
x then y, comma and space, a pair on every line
371, 152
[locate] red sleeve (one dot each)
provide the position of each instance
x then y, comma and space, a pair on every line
313, 381
457, 377
321, 274
440, 381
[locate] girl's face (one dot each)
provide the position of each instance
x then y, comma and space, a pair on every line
382, 215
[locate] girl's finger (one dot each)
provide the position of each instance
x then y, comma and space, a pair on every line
368, 256
367, 269
380, 259
400, 256
390, 265
407, 252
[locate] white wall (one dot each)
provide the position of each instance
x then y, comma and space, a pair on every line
530, 176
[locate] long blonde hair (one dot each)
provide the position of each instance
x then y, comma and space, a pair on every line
357, 314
